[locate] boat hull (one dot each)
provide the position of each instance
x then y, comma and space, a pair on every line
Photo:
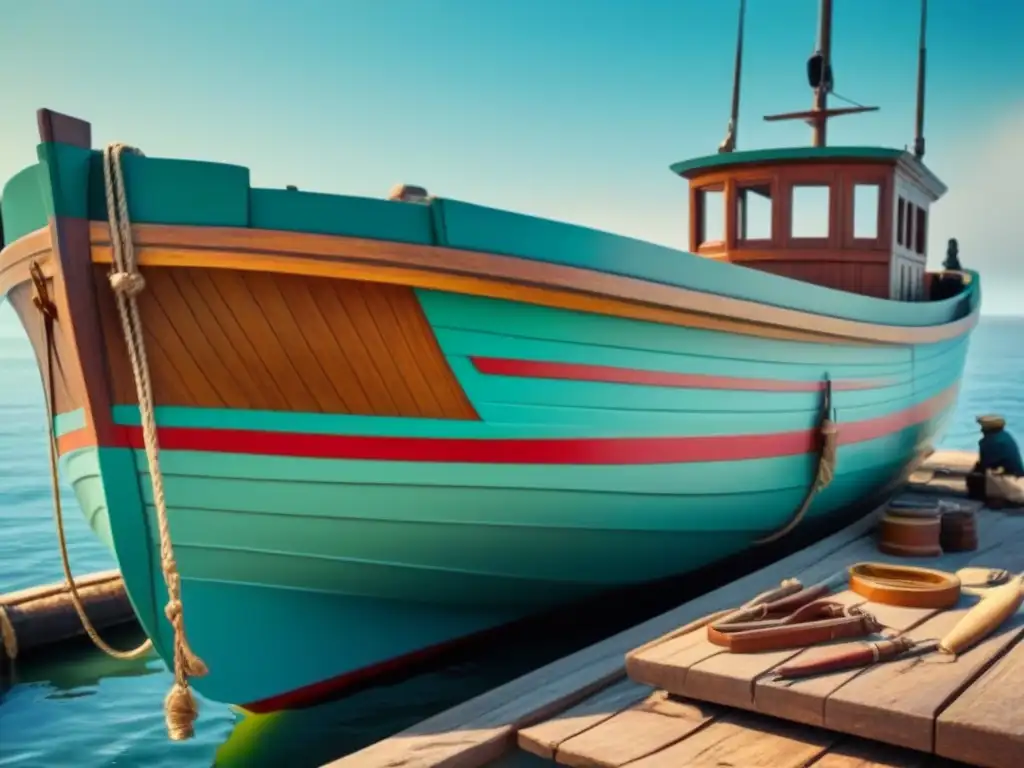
386, 427
339, 546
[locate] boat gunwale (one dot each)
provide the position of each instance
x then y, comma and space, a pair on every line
428, 266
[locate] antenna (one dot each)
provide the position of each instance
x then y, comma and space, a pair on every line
921, 55
819, 75
729, 142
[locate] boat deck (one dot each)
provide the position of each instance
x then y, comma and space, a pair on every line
694, 705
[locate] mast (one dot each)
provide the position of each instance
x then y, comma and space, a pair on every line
823, 84
921, 54
819, 76
729, 142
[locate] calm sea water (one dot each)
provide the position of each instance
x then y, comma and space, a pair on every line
80, 708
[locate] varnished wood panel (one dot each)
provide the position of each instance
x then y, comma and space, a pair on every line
237, 339
68, 393
838, 261
866, 278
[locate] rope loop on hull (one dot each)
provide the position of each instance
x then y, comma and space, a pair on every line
826, 469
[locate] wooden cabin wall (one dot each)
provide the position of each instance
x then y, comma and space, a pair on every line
865, 279
841, 261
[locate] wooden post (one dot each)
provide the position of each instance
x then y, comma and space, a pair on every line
820, 119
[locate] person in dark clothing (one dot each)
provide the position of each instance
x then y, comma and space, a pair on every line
952, 261
997, 451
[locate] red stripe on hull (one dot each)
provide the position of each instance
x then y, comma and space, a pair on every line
607, 374
554, 451
315, 693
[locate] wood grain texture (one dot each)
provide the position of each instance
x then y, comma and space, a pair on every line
898, 702
803, 700
860, 753
985, 724
76, 303
544, 739
841, 260
866, 278
252, 340
67, 383
69, 393
641, 730
497, 276
746, 740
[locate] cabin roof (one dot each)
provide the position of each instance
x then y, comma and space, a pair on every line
699, 166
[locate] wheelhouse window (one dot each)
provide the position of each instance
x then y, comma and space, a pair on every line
711, 215
866, 199
901, 217
908, 229
754, 212
810, 211
920, 231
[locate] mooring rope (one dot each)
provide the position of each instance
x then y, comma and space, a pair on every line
180, 706
42, 302
823, 475
8, 635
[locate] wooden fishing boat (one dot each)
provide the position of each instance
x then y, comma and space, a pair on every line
384, 425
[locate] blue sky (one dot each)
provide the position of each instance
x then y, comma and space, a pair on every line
568, 109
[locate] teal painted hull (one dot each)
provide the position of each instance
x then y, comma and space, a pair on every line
313, 569
315, 547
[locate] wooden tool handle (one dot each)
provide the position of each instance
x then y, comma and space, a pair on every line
984, 618
860, 655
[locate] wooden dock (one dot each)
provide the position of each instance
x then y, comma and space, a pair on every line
40, 616
967, 708
582, 710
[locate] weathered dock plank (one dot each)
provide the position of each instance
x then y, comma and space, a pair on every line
744, 739
858, 753
637, 732
985, 724
543, 739
732, 678
898, 702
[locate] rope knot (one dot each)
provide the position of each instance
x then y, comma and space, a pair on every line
173, 611
129, 284
40, 294
180, 711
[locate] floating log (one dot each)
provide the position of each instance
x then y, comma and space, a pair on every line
45, 615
